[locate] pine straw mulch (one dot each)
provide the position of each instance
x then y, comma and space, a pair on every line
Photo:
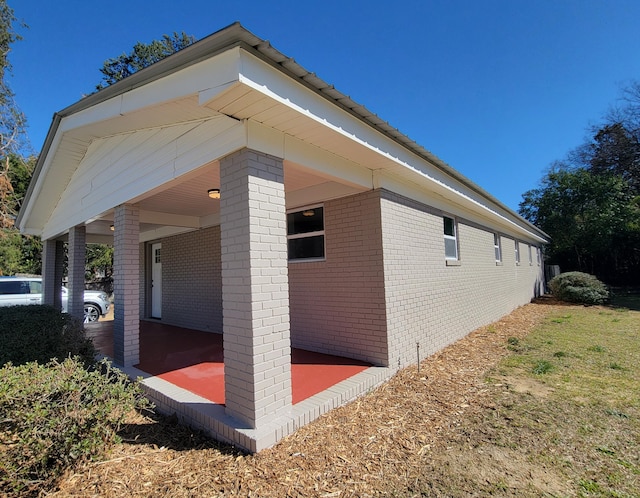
380, 444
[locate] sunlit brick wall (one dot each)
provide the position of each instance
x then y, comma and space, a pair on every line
337, 305
433, 304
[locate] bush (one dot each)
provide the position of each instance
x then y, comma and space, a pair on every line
41, 333
578, 287
55, 416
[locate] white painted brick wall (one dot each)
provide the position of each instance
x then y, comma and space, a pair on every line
76, 252
126, 279
344, 305
255, 287
434, 304
192, 280
338, 305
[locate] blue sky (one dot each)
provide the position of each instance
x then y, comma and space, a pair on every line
499, 89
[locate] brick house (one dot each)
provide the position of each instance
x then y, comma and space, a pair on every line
245, 196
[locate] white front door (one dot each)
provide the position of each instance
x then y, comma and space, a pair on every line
156, 281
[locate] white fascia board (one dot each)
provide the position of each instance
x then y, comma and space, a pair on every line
461, 206
178, 220
276, 143
208, 77
162, 232
258, 75
27, 225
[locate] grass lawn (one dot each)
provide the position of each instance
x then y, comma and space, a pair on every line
569, 399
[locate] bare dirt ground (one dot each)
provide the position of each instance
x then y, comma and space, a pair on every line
405, 438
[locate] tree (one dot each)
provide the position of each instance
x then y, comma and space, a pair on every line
590, 203
592, 219
142, 55
16, 252
615, 150
12, 121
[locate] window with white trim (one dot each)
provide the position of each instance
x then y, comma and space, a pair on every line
517, 252
305, 234
538, 254
497, 248
530, 255
450, 238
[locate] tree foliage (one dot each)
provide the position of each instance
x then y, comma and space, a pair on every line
17, 253
142, 55
590, 203
12, 121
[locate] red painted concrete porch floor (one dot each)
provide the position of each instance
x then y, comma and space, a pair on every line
193, 360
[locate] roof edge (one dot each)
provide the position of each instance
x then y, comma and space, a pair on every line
237, 35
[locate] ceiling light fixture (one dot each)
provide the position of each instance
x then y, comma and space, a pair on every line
214, 193
308, 212
112, 228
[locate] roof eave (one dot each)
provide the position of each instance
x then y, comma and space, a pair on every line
225, 39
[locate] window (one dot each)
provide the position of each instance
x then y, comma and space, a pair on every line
538, 250
450, 239
530, 256
497, 248
517, 252
305, 234
35, 286
13, 287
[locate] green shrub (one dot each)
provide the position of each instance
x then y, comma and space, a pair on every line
578, 287
55, 416
41, 333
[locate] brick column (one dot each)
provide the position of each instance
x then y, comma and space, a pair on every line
126, 286
52, 270
76, 255
255, 287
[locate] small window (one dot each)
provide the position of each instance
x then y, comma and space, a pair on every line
530, 255
35, 286
12, 287
450, 238
305, 234
157, 256
517, 252
497, 248
538, 250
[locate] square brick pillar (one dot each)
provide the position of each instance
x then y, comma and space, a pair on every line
52, 271
76, 254
126, 286
255, 287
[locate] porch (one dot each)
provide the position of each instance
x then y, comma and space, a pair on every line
182, 372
